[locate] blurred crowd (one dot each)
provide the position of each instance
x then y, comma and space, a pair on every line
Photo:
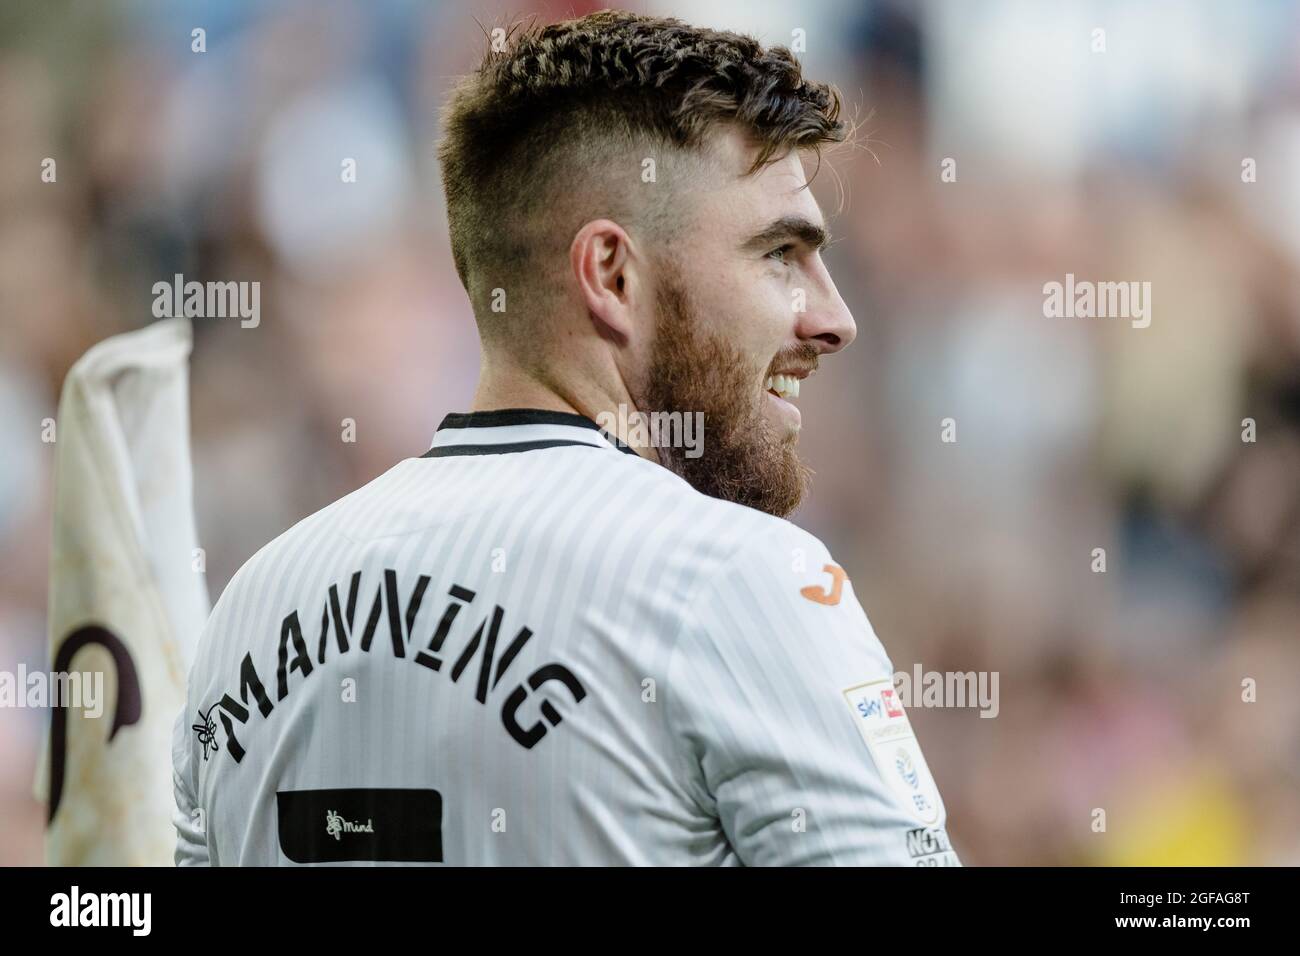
1120, 690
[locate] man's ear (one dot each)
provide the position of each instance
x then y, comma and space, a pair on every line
605, 267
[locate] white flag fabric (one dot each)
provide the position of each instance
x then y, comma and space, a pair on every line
127, 598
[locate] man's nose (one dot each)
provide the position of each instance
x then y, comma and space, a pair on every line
827, 322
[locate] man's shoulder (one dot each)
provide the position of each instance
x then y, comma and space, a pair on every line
647, 517
667, 486
306, 538
730, 531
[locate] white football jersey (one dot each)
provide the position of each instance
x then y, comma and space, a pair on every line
532, 646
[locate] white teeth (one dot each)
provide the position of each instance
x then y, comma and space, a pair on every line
786, 386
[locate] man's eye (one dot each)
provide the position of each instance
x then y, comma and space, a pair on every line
780, 254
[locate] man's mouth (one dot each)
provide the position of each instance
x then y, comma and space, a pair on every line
785, 385
782, 386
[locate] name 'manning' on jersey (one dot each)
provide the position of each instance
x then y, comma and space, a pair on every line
532, 646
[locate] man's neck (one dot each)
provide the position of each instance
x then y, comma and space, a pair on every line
514, 388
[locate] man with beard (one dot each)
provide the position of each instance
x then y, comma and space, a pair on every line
537, 643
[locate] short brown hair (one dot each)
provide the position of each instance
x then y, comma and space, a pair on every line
543, 116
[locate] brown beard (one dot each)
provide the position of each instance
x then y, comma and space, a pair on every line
743, 459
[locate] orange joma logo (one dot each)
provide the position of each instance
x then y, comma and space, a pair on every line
832, 597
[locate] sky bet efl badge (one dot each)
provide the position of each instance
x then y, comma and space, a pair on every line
883, 724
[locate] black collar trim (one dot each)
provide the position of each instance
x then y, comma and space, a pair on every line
501, 417
514, 417
456, 451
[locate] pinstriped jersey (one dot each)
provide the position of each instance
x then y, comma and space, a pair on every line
531, 646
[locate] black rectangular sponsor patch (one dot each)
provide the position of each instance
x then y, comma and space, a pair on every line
338, 826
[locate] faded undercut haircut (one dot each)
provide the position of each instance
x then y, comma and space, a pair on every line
552, 130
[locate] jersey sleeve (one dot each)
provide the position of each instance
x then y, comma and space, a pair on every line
188, 817
784, 695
